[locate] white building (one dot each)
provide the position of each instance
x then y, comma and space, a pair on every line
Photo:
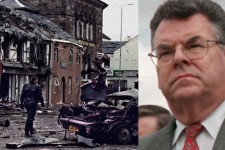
125, 72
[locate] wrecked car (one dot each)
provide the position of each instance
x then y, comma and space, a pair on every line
114, 119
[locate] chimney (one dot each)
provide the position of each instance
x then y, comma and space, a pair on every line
128, 38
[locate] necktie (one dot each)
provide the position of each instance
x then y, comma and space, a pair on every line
191, 134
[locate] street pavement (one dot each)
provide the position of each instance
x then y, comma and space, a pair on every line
47, 129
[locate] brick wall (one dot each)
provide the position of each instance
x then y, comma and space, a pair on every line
65, 71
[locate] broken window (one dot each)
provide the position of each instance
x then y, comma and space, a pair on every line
56, 84
78, 57
78, 29
26, 53
41, 55
56, 81
20, 49
33, 54
13, 52
71, 55
44, 53
5, 46
82, 30
87, 31
55, 57
77, 84
48, 53
91, 32
13, 88
70, 85
86, 75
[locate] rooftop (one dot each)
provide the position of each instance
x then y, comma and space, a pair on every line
108, 47
18, 20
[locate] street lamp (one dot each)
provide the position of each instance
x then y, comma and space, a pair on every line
121, 31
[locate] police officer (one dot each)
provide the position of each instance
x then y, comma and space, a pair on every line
31, 95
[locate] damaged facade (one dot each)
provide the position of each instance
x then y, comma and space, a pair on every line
66, 76
80, 18
29, 45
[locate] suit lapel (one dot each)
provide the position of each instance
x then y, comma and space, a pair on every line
220, 140
167, 141
164, 138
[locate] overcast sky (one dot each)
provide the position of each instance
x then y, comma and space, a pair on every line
112, 17
148, 91
148, 87
136, 20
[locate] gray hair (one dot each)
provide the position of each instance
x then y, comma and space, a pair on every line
183, 9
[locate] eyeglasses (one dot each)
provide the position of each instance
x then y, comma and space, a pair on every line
196, 49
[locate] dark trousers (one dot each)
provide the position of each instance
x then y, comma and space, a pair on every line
31, 112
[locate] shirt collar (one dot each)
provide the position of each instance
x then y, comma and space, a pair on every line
212, 123
178, 131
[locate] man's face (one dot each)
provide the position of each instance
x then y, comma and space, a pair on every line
185, 79
147, 125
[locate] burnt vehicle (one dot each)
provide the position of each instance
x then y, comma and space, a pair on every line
114, 119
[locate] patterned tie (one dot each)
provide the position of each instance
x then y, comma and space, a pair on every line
191, 134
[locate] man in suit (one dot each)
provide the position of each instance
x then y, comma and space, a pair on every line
188, 49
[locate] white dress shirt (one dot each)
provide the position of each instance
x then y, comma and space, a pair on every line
207, 137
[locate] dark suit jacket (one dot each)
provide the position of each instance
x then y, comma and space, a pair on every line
162, 139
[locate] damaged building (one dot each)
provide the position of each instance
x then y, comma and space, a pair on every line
31, 44
82, 19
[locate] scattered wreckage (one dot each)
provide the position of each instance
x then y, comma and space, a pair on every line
7, 105
103, 121
101, 117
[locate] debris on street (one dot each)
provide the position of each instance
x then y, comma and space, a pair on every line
34, 141
4, 123
114, 119
49, 133
7, 105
